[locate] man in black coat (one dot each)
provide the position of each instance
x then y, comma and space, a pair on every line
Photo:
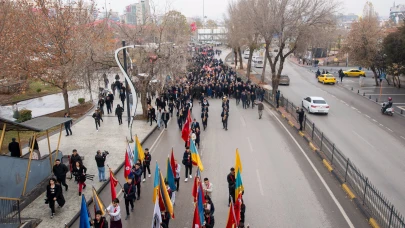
225, 115
165, 118
14, 148
100, 160
187, 163
118, 112
68, 124
195, 125
129, 191
301, 115
60, 170
231, 185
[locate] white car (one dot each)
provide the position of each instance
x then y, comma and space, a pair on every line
315, 105
258, 63
246, 54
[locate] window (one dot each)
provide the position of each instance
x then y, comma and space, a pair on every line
319, 102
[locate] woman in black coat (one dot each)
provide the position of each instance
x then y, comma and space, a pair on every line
79, 171
54, 193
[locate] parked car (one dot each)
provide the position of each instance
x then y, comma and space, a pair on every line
259, 63
315, 105
327, 78
246, 54
284, 80
354, 73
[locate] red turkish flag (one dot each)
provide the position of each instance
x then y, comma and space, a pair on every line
127, 166
185, 133
196, 219
113, 183
231, 217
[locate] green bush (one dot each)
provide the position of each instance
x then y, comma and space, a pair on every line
38, 90
25, 115
81, 101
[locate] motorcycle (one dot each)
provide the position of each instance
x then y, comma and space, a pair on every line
388, 111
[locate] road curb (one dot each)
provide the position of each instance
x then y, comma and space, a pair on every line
301, 133
327, 165
77, 215
373, 223
348, 191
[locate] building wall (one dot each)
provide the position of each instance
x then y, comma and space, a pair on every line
12, 181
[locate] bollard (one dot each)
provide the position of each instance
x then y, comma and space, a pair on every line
376, 99
333, 152
352, 88
358, 91
369, 97
364, 94
402, 111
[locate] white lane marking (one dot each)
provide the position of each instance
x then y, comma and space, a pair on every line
359, 112
365, 140
367, 116
402, 137
243, 121
250, 144
332, 95
374, 120
353, 108
389, 129
381, 125
317, 173
260, 182
160, 135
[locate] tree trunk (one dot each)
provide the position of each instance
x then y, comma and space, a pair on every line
375, 75
143, 102
89, 84
236, 57
266, 51
65, 96
240, 59
249, 64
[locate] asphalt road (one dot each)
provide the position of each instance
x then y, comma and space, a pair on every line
374, 142
282, 187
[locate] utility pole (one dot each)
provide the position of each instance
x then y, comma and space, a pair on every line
126, 82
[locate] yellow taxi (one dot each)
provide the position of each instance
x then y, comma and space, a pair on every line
354, 73
327, 78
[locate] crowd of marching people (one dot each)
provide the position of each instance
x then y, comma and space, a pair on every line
208, 78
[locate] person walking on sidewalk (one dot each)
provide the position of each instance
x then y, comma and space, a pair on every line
301, 115
122, 98
278, 98
68, 124
253, 98
108, 104
129, 191
260, 108
101, 103
146, 164
114, 211
159, 118
187, 163
54, 194
97, 117
79, 171
100, 160
60, 170
118, 112
75, 157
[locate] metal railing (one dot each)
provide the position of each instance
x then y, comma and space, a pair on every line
9, 211
377, 204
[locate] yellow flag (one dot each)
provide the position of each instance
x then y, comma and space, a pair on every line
238, 163
141, 154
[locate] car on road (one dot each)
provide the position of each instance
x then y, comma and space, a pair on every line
327, 79
258, 63
246, 54
284, 80
315, 105
354, 73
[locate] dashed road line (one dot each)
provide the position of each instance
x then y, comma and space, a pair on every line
367, 116
353, 108
260, 182
374, 120
381, 125
250, 144
243, 121
389, 129
402, 137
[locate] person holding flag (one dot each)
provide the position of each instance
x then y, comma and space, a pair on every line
136, 174
129, 191
231, 185
113, 184
99, 221
209, 219
185, 133
114, 211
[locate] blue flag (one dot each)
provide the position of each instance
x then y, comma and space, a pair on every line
170, 176
84, 215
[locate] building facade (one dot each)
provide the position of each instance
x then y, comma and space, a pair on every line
137, 13
397, 13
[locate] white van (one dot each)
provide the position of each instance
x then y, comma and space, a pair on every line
259, 62
246, 54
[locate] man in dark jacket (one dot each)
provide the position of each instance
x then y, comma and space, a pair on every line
108, 104
100, 159
99, 221
146, 163
278, 98
68, 124
60, 170
101, 103
14, 148
301, 114
209, 219
137, 176
188, 163
118, 112
75, 157
204, 117
244, 99
231, 185
237, 96
129, 191
165, 118
225, 115
97, 117
195, 125
253, 98
111, 96
122, 97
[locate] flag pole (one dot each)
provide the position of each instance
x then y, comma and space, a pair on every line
113, 173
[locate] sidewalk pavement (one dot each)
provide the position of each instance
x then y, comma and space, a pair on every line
85, 138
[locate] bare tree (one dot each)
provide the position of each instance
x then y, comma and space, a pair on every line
364, 41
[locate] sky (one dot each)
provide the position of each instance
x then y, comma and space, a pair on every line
215, 9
